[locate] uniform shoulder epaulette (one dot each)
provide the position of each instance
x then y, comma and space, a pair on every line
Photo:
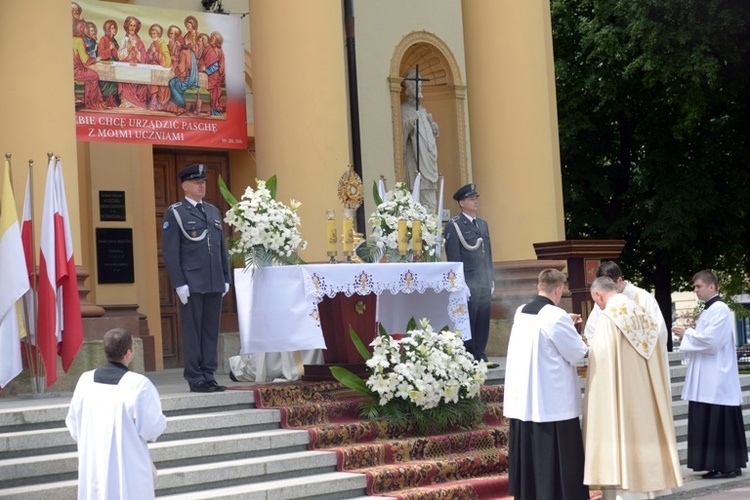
455, 218
174, 205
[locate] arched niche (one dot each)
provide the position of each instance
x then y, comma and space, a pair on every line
444, 95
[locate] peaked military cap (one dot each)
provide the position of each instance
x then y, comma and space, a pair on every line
466, 191
191, 172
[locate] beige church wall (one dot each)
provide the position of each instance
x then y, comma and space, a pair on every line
380, 27
117, 167
127, 168
87, 255
243, 171
301, 125
38, 111
512, 110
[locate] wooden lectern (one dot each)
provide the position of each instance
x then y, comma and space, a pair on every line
583, 258
337, 314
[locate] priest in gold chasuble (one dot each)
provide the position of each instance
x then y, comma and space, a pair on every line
628, 429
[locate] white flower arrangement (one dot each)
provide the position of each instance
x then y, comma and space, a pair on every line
268, 229
424, 367
397, 205
423, 379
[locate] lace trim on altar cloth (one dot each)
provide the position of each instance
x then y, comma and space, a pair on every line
361, 282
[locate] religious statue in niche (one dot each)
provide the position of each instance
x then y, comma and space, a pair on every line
419, 134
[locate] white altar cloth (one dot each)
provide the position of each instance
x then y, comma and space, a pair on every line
277, 306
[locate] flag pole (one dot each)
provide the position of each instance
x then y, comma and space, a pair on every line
26, 313
42, 375
39, 376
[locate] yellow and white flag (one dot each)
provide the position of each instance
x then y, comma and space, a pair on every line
15, 284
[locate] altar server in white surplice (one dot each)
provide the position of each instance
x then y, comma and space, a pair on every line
628, 429
113, 414
543, 397
716, 430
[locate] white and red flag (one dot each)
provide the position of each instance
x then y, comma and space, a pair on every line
67, 281
15, 284
59, 323
28, 251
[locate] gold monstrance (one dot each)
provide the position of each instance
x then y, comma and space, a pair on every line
351, 196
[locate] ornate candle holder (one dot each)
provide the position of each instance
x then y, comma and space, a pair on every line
416, 240
403, 241
348, 234
331, 237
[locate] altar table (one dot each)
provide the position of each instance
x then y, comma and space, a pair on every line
278, 305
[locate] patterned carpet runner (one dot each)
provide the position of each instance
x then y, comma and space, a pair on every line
463, 464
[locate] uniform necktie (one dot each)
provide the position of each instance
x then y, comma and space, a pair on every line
474, 220
199, 206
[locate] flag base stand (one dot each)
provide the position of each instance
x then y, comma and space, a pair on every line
38, 384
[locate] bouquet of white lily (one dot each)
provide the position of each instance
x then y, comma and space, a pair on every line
268, 229
399, 205
425, 377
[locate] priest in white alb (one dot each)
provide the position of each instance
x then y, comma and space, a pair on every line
628, 428
113, 414
542, 398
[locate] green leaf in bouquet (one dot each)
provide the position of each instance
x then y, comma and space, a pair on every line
369, 253
226, 193
411, 325
271, 185
351, 380
382, 330
376, 193
361, 347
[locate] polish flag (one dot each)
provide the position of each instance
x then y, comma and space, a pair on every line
72, 323
59, 323
48, 323
28, 251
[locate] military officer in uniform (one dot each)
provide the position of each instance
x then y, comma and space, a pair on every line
196, 258
467, 240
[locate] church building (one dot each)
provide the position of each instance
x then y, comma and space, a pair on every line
486, 75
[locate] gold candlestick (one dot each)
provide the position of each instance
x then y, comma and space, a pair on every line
416, 238
331, 237
403, 241
348, 235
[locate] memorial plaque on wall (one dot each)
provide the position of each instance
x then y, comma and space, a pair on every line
114, 255
112, 205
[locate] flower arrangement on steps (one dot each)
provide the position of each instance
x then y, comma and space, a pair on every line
425, 377
268, 229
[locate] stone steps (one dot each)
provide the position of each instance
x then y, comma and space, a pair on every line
215, 446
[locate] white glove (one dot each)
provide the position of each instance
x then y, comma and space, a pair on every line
183, 292
226, 289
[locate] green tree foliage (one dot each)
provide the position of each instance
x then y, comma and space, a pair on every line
654, 115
